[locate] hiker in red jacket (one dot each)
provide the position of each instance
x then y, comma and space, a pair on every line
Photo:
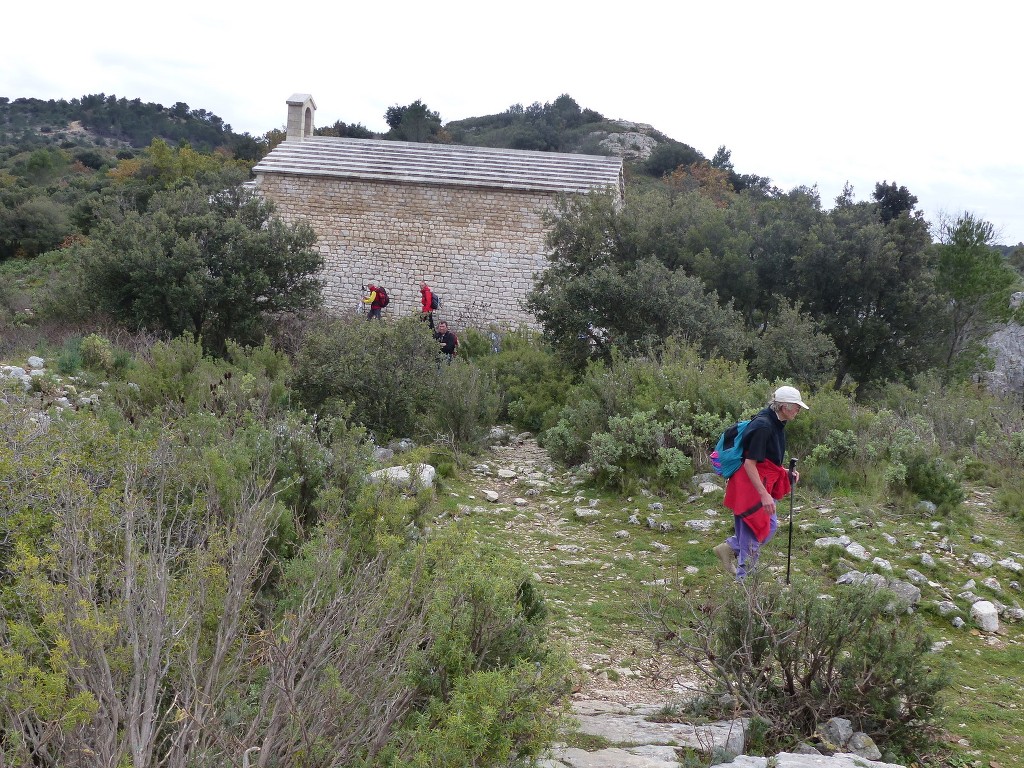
762, 478
427, 303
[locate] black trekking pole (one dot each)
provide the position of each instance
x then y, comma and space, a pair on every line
792, 486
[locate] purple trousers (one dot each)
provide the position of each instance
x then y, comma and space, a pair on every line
746, 546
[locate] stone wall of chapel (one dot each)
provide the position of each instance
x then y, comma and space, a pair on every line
478, 248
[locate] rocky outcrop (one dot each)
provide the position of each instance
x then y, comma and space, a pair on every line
635, 142
1007, 347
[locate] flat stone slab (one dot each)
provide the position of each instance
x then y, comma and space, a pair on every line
628, 728
408, 476
789, 760
614, 757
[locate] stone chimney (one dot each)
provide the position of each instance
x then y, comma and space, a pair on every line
301, 109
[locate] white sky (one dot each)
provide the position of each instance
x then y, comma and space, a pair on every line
926, 94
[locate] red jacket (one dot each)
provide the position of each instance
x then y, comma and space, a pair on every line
425, 296
743, 499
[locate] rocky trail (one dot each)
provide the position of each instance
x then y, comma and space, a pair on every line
541, 515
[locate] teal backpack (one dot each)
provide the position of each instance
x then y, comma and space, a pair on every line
728, 454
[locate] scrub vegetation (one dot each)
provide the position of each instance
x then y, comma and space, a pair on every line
194, 565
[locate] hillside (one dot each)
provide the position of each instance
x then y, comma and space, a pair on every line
104, 120
108, 121
602, 559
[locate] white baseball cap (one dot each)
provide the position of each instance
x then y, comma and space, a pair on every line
789, 395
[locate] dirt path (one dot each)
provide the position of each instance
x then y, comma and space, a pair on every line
541, 515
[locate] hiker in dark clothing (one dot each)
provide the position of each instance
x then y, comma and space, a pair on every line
760, 480
449, 341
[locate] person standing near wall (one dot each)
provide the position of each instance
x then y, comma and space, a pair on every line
427, 303
376, 300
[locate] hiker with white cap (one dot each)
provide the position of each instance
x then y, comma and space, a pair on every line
753, 489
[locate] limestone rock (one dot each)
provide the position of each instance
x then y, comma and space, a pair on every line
1011, 564
793, 760
985, 615
410, 476
700, 525
981, 560
383, 454
836, 732
497, 435
862, 744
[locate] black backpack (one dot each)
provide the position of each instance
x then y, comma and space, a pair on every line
435, 301
382, 297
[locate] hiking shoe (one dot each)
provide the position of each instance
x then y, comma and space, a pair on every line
726, 557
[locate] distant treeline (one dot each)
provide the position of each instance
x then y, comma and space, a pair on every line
122, 121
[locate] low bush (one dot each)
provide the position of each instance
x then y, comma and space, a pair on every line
493, 684
178, 377
464, 404
531, 378
387, 373
932, 479
97, 353
71, 359
793, 660
652, 419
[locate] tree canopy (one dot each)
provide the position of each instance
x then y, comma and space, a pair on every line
857, 294
214, 264
977, 283
414, 122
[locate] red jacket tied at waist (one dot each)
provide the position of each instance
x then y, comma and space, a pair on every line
743, 499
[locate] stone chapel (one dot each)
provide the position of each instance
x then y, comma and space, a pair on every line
468, 220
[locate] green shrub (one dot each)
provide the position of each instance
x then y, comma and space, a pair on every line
932, 479
1010, 498
179, 378
71, 358
831, 412
567, 440
674, 467
386, 372
673, 401
531, 378
494, 683
788, 657
955, 413
820, 479
464, 404
894, 475
97, 353
477, 345
638, 446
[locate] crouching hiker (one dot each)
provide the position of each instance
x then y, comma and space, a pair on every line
761, 480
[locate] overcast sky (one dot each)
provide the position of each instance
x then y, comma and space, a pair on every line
926, 94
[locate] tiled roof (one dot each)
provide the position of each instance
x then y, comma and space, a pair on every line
450, 164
